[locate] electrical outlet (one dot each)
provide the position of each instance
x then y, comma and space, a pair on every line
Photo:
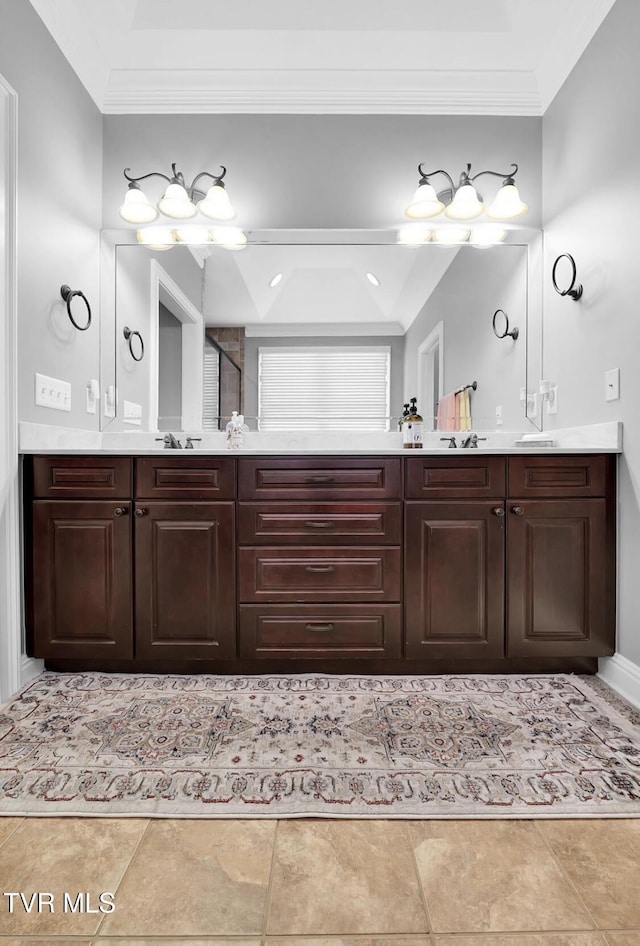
52, 393
612, 384
498, 415
132, 413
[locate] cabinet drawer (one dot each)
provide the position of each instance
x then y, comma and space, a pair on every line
467, 477
555, 476
81, 477
329, 631
181, 477
320, 523
319, 478
319, 574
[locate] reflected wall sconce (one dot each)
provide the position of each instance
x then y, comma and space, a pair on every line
462, 201
135, 348
68, 294
163, 238
180, 202
501, 325
574, 292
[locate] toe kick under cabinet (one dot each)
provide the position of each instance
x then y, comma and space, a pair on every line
395, 563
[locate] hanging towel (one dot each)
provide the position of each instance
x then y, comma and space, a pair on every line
463, 402
447, 412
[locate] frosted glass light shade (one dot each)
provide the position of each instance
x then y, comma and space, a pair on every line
216, 204
156, 238
425, 203
487, 235
136, 207
413, 234
176, 203
507, 204
192, 236
232, 238
465, 205
450, 235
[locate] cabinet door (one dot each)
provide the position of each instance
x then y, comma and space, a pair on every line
558, 578
185, 580
454, 579
82, 579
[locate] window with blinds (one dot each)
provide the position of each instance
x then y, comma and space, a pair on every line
211, 394
337, 388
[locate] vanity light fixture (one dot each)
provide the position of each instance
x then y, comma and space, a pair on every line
180, 202
416, 234
373, 279
163, 238
275, 280
462, 202
413, 234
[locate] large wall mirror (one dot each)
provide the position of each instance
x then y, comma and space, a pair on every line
206, 318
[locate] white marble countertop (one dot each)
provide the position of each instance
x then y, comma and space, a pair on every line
42, 439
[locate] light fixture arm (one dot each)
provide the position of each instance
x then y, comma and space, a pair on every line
178, 178
216, 178
134, 180
424, 176
507, 177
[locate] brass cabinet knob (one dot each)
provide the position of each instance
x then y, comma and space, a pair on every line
498, 511
519, 511
140, 512
120, 511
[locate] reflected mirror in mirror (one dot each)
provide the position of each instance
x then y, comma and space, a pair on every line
430, 306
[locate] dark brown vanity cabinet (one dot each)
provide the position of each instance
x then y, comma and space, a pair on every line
81, 575
527, 573
150, 576
394, 563
320, 558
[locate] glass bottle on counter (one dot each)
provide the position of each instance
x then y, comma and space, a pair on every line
413, 428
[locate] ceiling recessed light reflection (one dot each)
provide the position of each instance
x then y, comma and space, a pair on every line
276, 279
373, 279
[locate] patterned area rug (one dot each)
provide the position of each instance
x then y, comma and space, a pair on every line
318, 745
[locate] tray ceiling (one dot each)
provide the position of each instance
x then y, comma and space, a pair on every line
485, 57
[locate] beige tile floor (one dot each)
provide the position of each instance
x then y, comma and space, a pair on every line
323, 883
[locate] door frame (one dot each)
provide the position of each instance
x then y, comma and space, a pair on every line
166, 290
15, 669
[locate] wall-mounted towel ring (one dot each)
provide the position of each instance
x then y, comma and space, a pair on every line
130, 335
68, 294
573, 291
503, 323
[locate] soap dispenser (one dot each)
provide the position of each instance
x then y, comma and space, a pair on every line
236, 429
405, 414
413, 428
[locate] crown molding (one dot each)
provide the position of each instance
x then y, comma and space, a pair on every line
425, 92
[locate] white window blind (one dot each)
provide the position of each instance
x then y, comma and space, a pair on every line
211, 402
337, 388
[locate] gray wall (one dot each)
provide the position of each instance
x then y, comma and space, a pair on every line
476, 284
59, 212
318, 170
591, 196
252, 344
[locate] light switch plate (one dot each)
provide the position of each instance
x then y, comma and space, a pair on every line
52, 393
612, 384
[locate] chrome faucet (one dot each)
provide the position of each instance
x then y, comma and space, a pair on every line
170, 442
471, 441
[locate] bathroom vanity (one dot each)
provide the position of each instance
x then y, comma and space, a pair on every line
387, 562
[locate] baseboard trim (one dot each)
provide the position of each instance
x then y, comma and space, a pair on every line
623, 675
29, 668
